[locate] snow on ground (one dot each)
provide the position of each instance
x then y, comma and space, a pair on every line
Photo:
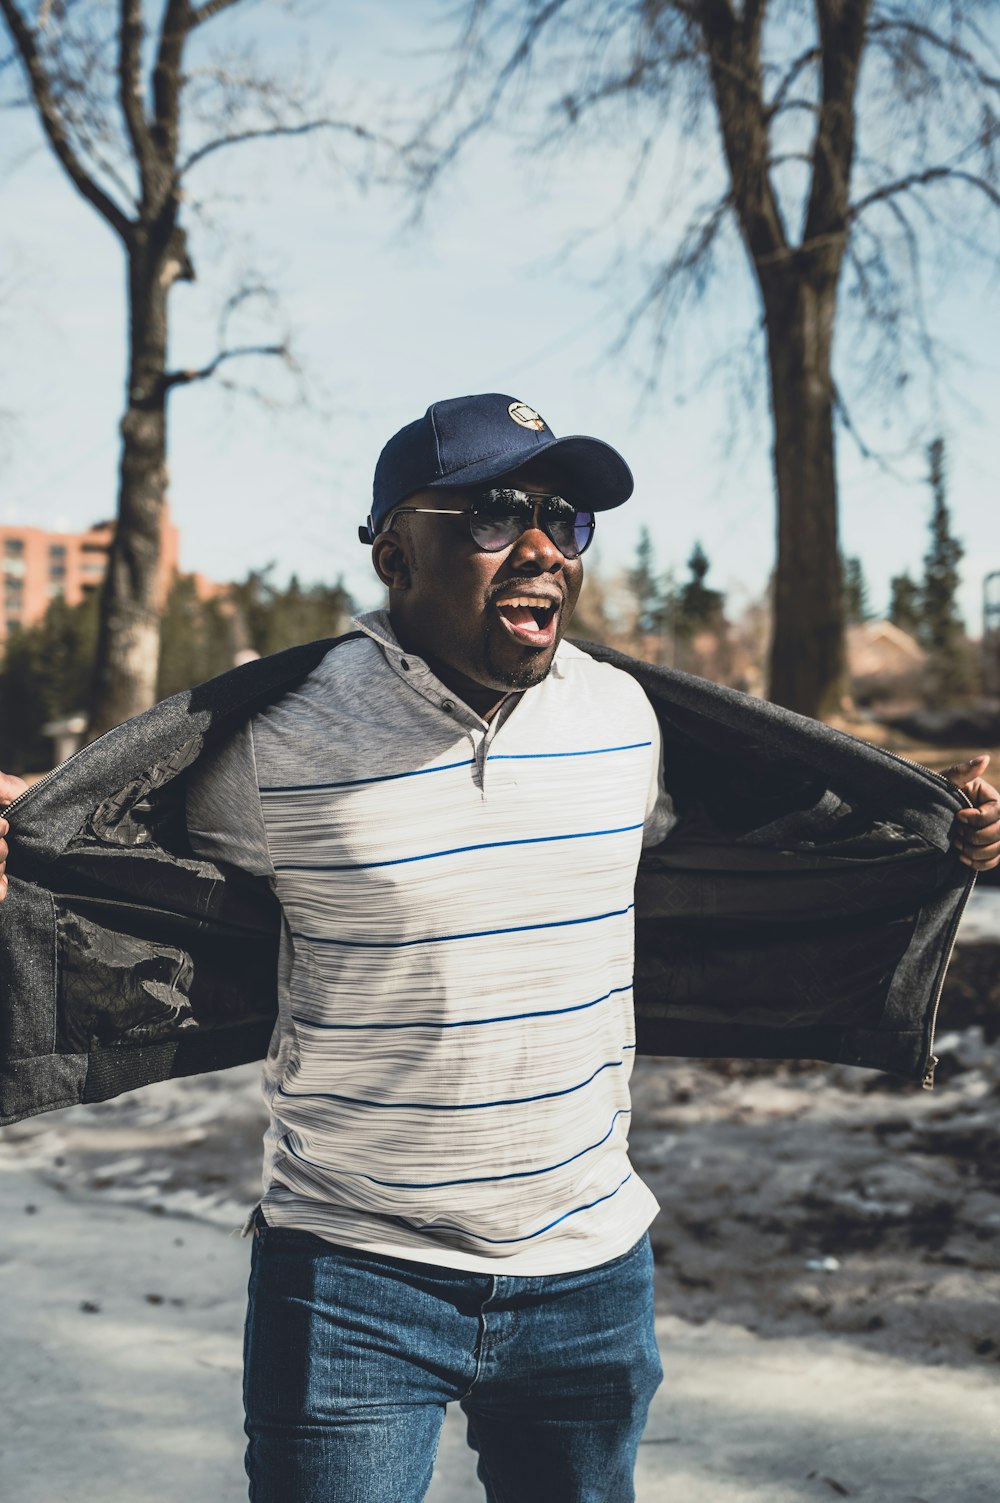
981, 919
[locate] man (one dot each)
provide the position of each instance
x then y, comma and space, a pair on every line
450, 809
449, 1210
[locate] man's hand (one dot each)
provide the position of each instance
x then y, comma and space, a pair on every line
976, 835
10, 789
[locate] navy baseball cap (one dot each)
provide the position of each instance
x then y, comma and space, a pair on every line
474, 440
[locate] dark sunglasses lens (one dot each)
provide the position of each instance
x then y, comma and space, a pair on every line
568, 528
583, 532
499, 517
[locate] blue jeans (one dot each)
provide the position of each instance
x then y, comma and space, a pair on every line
350, 1359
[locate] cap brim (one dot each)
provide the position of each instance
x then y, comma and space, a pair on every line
597, 477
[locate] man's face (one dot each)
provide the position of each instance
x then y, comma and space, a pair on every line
494, 618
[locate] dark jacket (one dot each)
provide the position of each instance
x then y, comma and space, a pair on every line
805, 905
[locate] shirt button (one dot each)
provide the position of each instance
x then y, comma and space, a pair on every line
448, 706
404, 665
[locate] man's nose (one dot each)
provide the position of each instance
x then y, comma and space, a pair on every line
535, 552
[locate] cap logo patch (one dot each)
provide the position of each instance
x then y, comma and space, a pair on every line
525, 416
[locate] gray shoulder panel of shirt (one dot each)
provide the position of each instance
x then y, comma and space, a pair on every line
224, 817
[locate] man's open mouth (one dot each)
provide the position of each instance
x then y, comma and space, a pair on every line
530, 619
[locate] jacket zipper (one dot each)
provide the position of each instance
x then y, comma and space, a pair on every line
928, 772
932, 1062
52, 772
927, 1080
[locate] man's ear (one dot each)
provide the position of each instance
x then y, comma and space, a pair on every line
391, 558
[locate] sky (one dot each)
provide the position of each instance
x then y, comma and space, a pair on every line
517, 279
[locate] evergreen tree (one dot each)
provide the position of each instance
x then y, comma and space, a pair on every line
47, 669
906, 605
697, 605
645, 587
942, 625
855, 588
196, 639
270, 618
952, 669
653, 602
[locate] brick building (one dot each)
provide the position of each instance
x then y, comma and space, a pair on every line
36, 566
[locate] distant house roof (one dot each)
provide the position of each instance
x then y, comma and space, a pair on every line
877, 649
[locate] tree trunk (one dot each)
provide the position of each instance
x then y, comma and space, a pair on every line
129, 637
807, 669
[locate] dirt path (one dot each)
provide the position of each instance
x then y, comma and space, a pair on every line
121, 1381
828, 1280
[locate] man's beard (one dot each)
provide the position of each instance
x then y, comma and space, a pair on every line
532, 668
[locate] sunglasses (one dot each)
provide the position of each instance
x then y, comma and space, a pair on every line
497, 518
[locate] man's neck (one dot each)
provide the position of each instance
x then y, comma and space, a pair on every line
485, 701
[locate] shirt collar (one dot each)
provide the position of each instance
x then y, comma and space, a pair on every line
376, 624
414, 672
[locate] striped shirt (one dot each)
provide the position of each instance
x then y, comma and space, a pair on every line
448, 1078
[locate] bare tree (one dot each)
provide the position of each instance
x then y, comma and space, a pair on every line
807, 192
129, 120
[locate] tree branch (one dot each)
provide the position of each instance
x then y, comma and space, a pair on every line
187, 377
265, 132
688, 271
887, 25
917, 279
842, 411
209, 9
174, 28
734, 68
781, 93
130, 33
54, 127
920, 179
543, 14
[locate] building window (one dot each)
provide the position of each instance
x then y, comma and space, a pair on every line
13, 556
57, 552
13, 626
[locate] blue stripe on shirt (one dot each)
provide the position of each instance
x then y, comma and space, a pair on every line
481, 1179
598, 751
502, 1241
389, 777
435, 1106
457, 850
436, 939
511, 1017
